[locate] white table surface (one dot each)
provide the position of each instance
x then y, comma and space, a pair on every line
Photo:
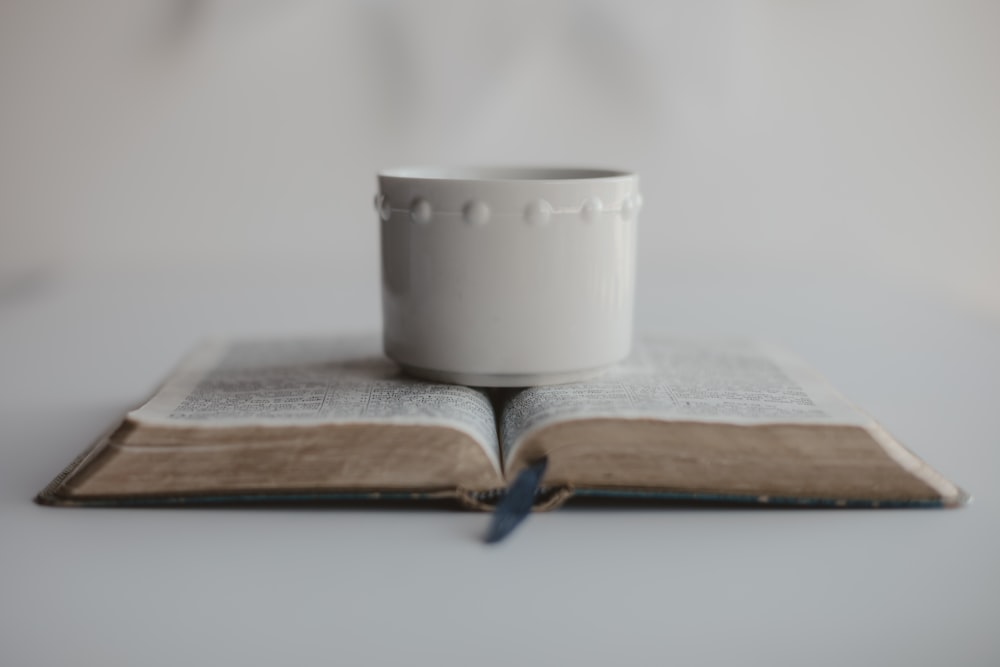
678, 586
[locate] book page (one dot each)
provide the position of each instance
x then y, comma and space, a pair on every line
732, 382
312, 381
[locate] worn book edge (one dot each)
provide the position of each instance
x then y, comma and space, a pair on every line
53, 494
548, 497
551, 499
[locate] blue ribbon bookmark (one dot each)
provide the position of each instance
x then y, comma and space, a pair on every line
517, 502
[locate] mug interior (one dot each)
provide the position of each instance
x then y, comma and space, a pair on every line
505, 173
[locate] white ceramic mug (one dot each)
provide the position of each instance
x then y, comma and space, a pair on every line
507, 277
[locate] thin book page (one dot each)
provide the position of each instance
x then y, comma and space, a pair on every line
312, 381
676, 379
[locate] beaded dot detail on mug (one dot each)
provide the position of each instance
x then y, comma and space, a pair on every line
536, 213
383, 207
591, 209
420, 211
476, 213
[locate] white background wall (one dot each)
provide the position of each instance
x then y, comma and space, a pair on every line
859, 137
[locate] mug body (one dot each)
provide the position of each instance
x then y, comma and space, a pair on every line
507, 277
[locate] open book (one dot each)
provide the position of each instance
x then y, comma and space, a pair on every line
328, 419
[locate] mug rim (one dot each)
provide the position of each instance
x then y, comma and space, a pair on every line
507, 174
